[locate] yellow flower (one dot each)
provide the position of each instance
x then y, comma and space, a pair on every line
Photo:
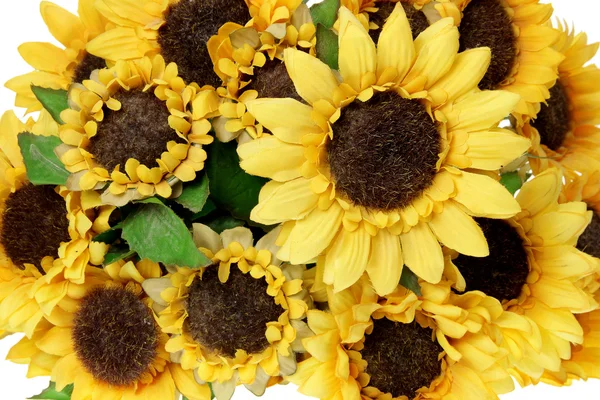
523, 58
237, 321
403, 347
346, 184
535, 270
138, 127
564, 132
107, 344
56, 67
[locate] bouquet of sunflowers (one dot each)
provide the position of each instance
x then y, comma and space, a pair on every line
372, 200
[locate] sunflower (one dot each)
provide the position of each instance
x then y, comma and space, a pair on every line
109, 344
403, 346
179, 30
534, 269
133, 126
344, 183
586, 188
56, 67
523, 58
237, 321
564, 132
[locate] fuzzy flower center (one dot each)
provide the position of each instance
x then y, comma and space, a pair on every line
272, 81
554, 119
486, 24
384, 152
401, 358
230, 316
139, 130
416, 18
33, 225
86, 66
589, 241
503, 273
188, 26
115, 336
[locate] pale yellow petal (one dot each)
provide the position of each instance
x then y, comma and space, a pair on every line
271, 158
385, 263
313, 79
357, 54
347, 259
423, 253
395, 48
493, 149
288, 201
484, 197
63, 25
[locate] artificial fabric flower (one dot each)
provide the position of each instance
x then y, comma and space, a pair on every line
55, 67
564, 132
238, 321
137, 126
523, 58
108, 345
376, 171
586, 188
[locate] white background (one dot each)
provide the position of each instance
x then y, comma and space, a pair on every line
20, 22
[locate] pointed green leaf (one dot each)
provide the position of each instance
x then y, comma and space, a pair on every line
327, 46
156, 233
194, 195
231, 188
50, 393
109, 236
43, 166
410, 281
54, 101
325, 13
512, 181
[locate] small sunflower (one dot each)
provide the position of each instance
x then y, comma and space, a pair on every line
138, 127
564, 133
523, 58
534, 269
178, 29
346, 184
403, 347
109, 345
237, 321
56, 67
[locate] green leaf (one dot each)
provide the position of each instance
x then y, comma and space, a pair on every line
327, 46
50, 393
194, 195
221, 224
209, 207
231, 188
109, 236
325, 13
410, 281
43, 166
155, 232
117, 253
54, 101
512, 181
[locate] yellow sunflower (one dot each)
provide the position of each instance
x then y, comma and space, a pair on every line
56, 67
138, 127
564, 132
237, 321
534, 269
346, 183
108, 345
403, 347
523, 58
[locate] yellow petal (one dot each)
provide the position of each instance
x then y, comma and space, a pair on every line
313, 79
385, 263
347, 259
395, 47
63, 25
491, 150
357, 54
542, 192
422, 253
269, 157
44, 57
288, 201
117, 44
484, 197
482, 110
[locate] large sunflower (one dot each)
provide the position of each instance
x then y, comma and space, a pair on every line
56, 67
237, 321
523, 58
138, 127
564, 132
402, 347
109, 345
534, 269
376, 171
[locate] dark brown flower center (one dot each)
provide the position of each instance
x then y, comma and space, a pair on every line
486, 24
86, 66
140, 130
115, 336
503, 273
589, 241
273, 81
384, 152
401, 358
417, 19
34, 224
189, 25
231, 316
554, 119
